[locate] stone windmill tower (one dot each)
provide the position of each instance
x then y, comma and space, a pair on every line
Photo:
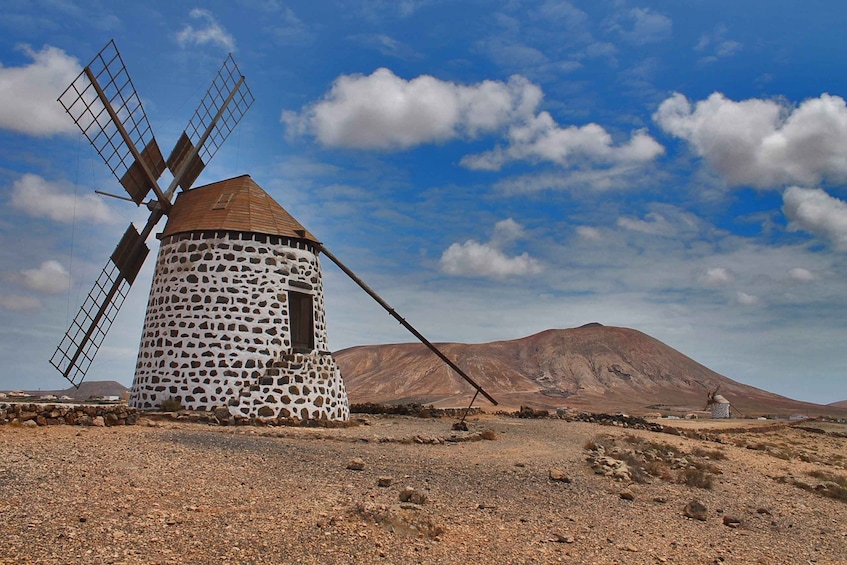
236, 311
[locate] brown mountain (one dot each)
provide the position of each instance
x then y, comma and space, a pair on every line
839, 404
593, 367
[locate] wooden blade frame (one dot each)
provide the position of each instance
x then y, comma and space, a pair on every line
222, 107
105, 106
77, 349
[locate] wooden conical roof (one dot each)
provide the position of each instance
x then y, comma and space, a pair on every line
237, 204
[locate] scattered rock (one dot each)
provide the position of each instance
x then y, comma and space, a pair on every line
627, 495
731, 521
98, 422
384, 482
412, 495
356, 464
660, 499
695, 510
562, 538
29, 424
558, 475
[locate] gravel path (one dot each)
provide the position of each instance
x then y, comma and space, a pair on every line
189, 493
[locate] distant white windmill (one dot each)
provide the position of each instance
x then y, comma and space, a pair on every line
717, 404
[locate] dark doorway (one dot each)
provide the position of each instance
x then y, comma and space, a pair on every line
302, 321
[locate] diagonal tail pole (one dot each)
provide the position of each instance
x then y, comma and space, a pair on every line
404, 323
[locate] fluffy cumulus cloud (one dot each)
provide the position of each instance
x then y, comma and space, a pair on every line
815, 211
763, 143
40, 198
540, 138
209, 31
475, 259
384, 111
28, 94
50, 278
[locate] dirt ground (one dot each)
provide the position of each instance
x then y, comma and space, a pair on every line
172, 492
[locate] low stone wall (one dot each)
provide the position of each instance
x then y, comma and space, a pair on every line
36, 414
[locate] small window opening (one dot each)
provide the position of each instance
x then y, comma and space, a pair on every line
302, 321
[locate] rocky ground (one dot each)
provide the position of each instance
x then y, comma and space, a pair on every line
534, 491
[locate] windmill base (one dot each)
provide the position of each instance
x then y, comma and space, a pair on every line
305, 386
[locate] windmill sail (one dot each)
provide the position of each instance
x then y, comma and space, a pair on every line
105, 106
77, 349
226, 101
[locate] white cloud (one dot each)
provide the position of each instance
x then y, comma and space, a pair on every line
55, 200
642, 25
540, 138
475, 259
384, 111
50, 278
506, 231
763, 143
28, 94
815, 211
212, 33
589, 233
746, 299
665, 221
482, 259
801, 275
616, 177
717, 276
716, 45
16, 303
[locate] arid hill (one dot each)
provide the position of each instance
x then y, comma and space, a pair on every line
840, 404
86, 390
593, 367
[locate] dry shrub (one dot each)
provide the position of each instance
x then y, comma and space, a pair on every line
490, 435
713, 454
694, 477
654, 459
171, 405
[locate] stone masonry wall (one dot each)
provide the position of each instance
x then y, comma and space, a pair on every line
40, 414
216, 332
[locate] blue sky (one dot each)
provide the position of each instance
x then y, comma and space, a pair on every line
492, 169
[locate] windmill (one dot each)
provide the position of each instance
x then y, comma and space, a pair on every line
717, 404
106, 107
235, 316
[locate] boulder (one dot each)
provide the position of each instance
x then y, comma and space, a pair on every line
695, 510
412, 495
